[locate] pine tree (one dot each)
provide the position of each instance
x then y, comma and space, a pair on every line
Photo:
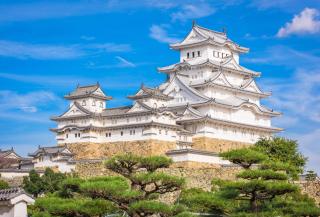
134, 193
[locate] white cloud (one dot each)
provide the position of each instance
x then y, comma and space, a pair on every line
159, 33
285, 56
125, 63
309, 146
193, 11
28, 102
307, 22
87, 38
44, 52
121, 63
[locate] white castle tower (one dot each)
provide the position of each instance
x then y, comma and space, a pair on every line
207, 94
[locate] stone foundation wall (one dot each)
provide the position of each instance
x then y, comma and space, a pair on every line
197, 175
216, 145
148, 147
312, 188
103, 150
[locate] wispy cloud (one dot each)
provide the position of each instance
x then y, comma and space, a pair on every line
160, 33
283, 5
181, 9
55, 52
29, 102
193, 11
285, 56
88, 38
47, 80
121, 63
125, 63
307, 22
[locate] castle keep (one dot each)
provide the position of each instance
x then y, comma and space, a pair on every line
209, 103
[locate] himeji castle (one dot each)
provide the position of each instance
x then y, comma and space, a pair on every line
207, 94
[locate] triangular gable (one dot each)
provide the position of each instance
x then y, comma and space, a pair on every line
252, 86
74, 110
12, 155
190, 113
139, 107
193, 36
231, 63
66, 151
99, 92
221, 79
178, 89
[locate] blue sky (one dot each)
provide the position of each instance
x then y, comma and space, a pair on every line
48, 47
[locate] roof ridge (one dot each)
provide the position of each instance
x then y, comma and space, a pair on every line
210, 30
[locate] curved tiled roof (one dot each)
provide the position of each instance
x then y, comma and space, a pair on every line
86, 91
199, 35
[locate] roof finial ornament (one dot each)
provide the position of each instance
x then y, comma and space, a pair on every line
98, 84
142, 85
194, 23
78, 85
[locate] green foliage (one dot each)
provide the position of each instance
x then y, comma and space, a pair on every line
134, 193
52, 180
3, 184
263, 189
147, 207
244, 157
48, 183
154, 162
200, 201
283, 150
74, 207
262, 174
33, 183
311, 176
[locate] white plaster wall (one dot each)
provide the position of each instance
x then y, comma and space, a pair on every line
91, 104
63, 166
230, 133
197, 157
10, 175
203, 53
20, 209
6, 210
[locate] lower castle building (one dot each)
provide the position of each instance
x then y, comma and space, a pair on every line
207, 95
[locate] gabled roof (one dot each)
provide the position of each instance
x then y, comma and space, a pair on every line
63, 150
88, 91
232, 123
236, 103
190, 113
85, 113
116, 111
179, 80
10, 193
200, 35
6, 153
147, 92
227, 64
242, 88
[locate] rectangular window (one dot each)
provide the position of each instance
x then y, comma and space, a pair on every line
75, 135
188, 55
121, 133
198, 53
109, 134
192, 54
